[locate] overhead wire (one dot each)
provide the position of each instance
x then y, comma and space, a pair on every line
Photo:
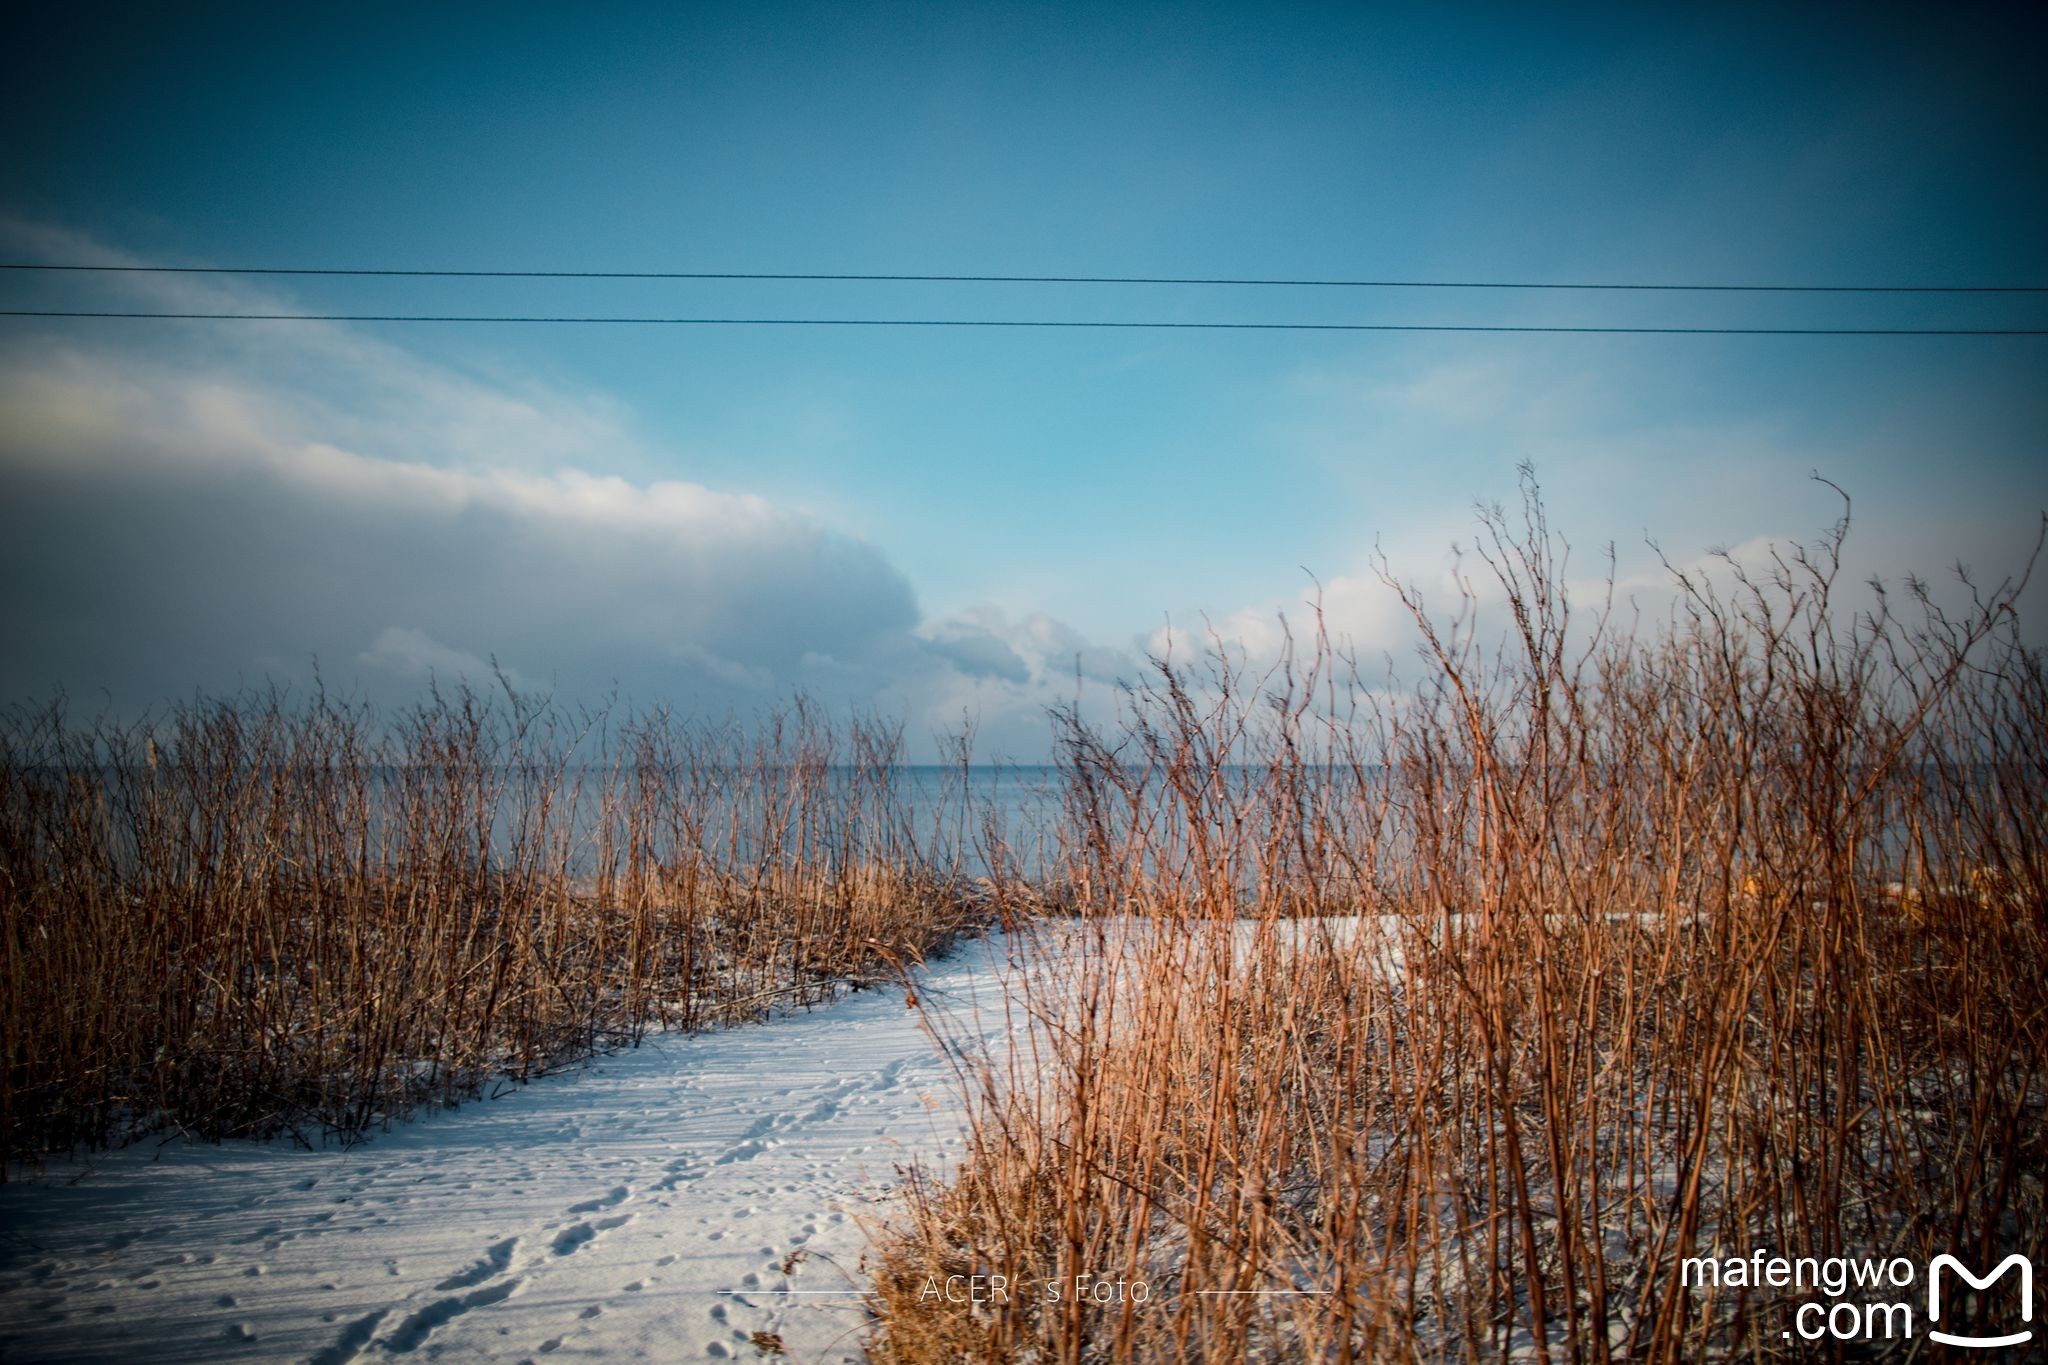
895, 278
1090, 323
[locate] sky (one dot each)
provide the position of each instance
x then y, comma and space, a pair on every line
955, 523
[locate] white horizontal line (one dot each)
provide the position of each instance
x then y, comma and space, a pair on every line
1310, 1293
805, 1293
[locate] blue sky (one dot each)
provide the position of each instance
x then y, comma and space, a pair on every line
941, 522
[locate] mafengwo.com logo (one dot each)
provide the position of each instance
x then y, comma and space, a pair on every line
1844, 1303
1950, 1263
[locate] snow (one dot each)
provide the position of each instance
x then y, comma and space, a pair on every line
670, 1203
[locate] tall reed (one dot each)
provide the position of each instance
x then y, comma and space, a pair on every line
1442, 1020
257, 915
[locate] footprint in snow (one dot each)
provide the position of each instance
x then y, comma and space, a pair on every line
612, 1200
493, 1262
572, 1237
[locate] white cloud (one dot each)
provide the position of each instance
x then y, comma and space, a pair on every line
409, 652
214, 508
977, 653
171, 523
1650, 443
357, 391
986, 642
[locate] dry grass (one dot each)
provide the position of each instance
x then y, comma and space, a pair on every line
1665, 942
254, 916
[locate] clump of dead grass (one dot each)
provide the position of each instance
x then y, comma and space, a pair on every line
1467, 1007
252, 916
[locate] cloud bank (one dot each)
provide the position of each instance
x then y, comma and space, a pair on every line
217, 509
163, 528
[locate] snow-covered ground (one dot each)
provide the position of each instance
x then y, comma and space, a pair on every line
667, 1203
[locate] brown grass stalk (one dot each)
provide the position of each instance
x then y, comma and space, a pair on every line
1443, 1020
254, 916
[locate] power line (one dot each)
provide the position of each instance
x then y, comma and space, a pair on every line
1637, 287
1038, 322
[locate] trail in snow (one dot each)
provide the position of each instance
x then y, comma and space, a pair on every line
667, 1203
